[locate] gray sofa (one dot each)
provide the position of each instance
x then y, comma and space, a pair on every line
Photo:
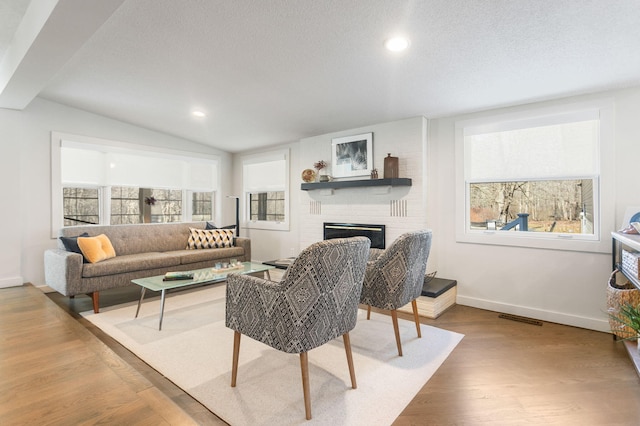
141, 250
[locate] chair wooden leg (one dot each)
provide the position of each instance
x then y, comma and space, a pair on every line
347, 348
396, 329
368, 312
416, 317
304, 366
236, 355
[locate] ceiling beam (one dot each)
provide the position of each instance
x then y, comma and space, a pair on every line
50, 33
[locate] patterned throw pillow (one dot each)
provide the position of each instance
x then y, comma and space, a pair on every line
204, 239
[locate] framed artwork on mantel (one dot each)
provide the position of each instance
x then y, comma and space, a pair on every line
352, 155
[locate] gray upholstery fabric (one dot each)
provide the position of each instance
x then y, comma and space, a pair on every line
139, 238
142, 250
395, 276
129, 263
316, 300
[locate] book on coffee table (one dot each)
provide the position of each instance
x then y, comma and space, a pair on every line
174, 276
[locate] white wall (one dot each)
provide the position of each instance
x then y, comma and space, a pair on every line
25, 163
11, 212
405, 139
559, 286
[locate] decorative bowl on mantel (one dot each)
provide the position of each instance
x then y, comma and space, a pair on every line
308, 175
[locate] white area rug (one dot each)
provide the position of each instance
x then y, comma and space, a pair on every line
194, 350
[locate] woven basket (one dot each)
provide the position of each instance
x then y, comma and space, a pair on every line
617, 295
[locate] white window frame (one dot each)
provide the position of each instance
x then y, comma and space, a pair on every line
57, 139
604, 184
281, 154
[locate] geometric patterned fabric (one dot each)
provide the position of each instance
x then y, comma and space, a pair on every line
395, 276
204, 239
315, 302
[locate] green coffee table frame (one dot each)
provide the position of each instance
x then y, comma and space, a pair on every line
200, 276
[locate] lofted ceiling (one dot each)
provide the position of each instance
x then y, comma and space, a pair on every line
273, 72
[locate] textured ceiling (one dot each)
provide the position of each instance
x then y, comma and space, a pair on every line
277, 71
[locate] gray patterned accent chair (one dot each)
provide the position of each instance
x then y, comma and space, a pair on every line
315, 302
395, 276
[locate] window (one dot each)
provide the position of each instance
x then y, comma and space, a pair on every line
110, 182
265, 180
125, 205
202, 206
267, 206
81, 206
535, 179
145, 205
167, 206
561, 206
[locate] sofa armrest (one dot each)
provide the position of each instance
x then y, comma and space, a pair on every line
63, 271
245, 243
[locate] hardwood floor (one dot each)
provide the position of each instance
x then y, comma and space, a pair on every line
510, 373
55, 371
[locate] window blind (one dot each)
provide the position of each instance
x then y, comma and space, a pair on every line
533, 149
139, 169
264, 176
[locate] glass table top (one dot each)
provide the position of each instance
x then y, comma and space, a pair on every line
200, 276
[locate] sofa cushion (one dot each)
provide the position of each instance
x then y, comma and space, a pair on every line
206, 239
96, 249
130, 263
213, 226
71, 243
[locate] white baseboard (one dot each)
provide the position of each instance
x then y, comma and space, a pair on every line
11, 282
596, 324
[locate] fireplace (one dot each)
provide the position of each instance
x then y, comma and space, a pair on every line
343, 230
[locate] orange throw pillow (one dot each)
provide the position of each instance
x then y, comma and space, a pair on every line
96, 249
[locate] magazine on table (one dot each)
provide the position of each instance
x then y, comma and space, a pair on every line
174, 276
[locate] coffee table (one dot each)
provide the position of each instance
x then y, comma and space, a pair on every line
200, 276
280, 263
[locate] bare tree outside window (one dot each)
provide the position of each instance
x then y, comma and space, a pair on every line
168, 205
267, 206
561, 206
202, 206
125, 205
140, 205
81, 206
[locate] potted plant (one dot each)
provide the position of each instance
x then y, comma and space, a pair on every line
319, 166
628, 316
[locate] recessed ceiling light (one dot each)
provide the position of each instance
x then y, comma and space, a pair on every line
397, 44
199, 114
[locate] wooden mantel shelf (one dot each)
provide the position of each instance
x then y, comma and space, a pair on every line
338, 184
